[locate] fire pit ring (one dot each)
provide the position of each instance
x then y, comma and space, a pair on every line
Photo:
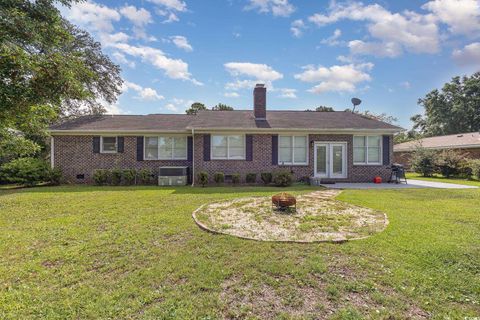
283, 201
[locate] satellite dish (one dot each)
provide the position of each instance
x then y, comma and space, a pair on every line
355, 102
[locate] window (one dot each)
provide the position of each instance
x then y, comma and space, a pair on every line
165, 148
108, 144
367, 150
292, 150
228, 147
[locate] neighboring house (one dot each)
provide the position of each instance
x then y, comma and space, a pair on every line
467, 143
340, 146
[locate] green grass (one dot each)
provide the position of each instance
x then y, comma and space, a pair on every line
439, 178
135, 252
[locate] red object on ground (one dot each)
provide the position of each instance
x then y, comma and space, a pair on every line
377, 180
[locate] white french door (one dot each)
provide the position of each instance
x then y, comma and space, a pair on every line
330, 159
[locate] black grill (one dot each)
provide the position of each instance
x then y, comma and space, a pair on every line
397, 174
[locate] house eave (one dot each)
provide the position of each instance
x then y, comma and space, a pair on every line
466, 146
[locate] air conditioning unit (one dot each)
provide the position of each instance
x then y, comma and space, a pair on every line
173, 176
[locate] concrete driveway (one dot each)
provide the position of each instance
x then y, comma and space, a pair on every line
411, 184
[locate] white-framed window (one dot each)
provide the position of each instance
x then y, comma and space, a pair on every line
228, 147
292, 150
165, 148
367, 150
108, 144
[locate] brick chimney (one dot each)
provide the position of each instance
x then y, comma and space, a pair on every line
260, 102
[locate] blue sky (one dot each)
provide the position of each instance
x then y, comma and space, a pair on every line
309, 53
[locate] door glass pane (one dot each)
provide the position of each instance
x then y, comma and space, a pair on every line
322, 160
337, 160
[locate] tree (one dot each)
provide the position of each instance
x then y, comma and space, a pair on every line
195, 107
453, 109
379, 117
322, 109
222, 107
49, 68
406, 136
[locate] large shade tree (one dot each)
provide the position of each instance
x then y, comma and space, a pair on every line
453, 109
48, 69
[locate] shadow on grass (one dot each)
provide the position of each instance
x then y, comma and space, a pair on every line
172, 190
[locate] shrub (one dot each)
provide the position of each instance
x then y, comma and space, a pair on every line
144, 176
202, 178
27, 171
116, 177
266, 177
101, 176
474, 165
54, 176
450, 162
423, 161
283, 178
304, 180
219, 177
236, 178
129, 176
251, 178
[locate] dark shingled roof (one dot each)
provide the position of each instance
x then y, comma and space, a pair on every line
167, 122
277, 119
239, 119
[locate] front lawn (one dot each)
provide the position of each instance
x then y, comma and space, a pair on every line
135, 252
439, 178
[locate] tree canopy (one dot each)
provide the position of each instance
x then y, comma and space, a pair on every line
453, 109
322, 109
222, 107
49, 68
197, 106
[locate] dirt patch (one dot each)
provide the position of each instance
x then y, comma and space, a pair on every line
318, 217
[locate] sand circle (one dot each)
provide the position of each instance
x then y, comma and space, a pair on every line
318, 217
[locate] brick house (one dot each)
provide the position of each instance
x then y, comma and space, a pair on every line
466, 143
339, 146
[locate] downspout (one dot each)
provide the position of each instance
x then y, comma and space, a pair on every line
193, 157
52, 152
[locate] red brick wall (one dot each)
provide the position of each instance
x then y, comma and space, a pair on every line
74, 155
262, 160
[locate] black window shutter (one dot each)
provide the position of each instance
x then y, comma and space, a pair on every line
120, 144
140, 148
189, 148
206, 147
274, 149
386, 150
96, 144
249, 147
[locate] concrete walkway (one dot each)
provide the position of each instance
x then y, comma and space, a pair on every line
411, 184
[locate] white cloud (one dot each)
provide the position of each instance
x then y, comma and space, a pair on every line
297, 27
174, 68
139, 18
406, 31
171, 107
146, 94
333, 39
174, 5
181, 42
256, 70
288, 93
379, 49
120, 58
108, 39
93, 16
469, 55
335, 78
169, 9
240, 84
231, 95
406, 84
462, 16
281, 8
